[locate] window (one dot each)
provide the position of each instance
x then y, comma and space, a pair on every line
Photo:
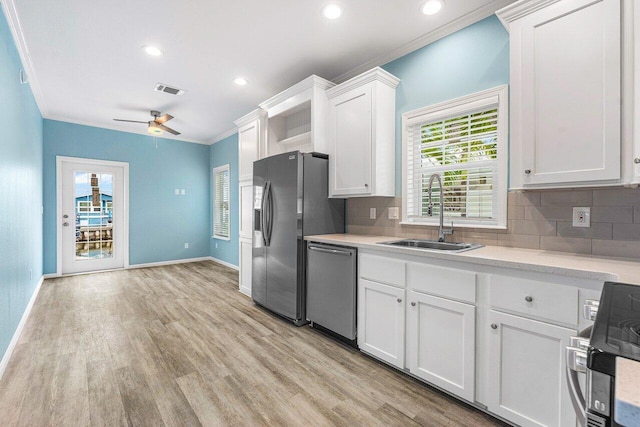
221, 202
463, 141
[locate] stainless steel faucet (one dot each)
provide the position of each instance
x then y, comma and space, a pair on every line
441, 230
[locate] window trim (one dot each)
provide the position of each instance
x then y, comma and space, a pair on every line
451, 107
217, 170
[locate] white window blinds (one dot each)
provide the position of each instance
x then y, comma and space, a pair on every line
221, 202
462, 144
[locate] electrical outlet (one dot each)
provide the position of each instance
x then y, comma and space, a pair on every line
582, 217
372, 213
186, 246
216, 245
394, 213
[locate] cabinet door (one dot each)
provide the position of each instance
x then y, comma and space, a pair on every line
246, 209
248, 149
526, 376
381, 317
441, 343
570, 80
350, 140
245, 266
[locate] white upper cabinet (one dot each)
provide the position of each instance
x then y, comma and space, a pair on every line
297, 118
635, 111
566, 108
251, 136
362, 135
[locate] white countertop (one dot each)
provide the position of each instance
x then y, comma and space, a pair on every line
561, 263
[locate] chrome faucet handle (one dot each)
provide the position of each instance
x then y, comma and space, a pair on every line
448, 231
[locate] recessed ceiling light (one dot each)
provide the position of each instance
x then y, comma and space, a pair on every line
153, 50
240, 81
332, 11
432, 7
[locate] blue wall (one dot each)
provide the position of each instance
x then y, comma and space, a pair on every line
20, 190
467, 61
160, 223
226, 152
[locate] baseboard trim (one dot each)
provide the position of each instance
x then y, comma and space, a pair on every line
225, 263
51, 275
174, 261
16, 336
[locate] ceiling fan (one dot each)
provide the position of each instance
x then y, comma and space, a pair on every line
155, 126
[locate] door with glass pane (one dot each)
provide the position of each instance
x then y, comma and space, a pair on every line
92, 225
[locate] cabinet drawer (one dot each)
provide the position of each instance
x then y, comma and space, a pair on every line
441, 281
381, 269
535, 299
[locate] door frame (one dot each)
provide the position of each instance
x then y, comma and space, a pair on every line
125, 198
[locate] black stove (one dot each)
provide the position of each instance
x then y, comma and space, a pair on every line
615, 334
616, 330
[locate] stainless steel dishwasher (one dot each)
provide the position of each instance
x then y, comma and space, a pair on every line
331, 288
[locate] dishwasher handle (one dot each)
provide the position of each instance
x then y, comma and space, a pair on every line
345, 252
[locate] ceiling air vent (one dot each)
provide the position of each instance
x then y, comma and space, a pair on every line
161, 87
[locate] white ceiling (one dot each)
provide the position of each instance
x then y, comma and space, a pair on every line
86, 65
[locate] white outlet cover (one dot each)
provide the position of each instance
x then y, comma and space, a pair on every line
372, 213
186, 246
582, 217
183, 192
394, 212
177, 191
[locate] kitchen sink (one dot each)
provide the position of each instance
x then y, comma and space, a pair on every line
433, 245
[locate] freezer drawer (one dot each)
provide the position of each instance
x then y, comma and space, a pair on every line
331, 288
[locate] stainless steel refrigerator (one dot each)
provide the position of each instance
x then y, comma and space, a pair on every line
290, 201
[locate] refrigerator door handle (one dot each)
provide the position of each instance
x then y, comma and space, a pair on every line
263, 213
268, 205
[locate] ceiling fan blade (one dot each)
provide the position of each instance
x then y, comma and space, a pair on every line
163, 119
130, 121
168, 129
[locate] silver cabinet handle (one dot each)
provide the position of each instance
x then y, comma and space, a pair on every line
413, 304
66, 224
399, 299
65, 216
528, 298
494, 326
636, 160
527, 171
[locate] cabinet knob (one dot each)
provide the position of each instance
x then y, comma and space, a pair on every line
413, 304
527, 171
494, 326
528, 298
399, 299
636, 160
366, 185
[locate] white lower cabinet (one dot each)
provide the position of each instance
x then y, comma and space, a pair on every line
245, 266
526, 371
381, 320
441, 343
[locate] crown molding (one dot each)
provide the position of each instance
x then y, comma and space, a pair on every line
428, 38
376, 74
296, 89
219, 137
521, 9
256, 114
11, 13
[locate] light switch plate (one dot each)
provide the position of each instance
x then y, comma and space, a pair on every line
177, 191
372, 213
582, 217
394, 213
183, 192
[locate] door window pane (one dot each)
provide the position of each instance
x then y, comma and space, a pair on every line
93, 215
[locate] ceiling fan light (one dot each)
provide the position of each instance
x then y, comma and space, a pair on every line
240, 81
431, 7
153, 129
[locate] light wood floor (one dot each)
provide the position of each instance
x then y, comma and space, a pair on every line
180, 346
